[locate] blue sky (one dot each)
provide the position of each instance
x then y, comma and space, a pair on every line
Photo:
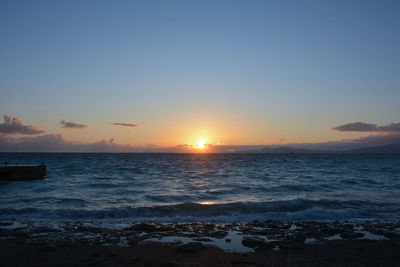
238, 72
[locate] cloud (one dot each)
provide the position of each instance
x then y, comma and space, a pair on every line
393, 127
72, 125
13, 125
42, 143
126, 124
367, 127
42, 139
56, 143
378, 139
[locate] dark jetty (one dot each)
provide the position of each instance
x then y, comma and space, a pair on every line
22, 172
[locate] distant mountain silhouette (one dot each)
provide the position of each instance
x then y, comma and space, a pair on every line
284, 150
392, 148
290, 150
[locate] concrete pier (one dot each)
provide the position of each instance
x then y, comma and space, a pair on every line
22, 172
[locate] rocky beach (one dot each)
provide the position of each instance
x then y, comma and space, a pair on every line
273, 243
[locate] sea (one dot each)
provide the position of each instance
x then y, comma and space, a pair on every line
205, 187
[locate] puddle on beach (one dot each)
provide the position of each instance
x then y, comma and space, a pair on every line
371, 236
113, 233
231, 242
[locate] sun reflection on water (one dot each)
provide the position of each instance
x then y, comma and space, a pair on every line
207, 203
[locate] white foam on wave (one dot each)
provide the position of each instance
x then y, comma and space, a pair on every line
309, 240
371, 236
333, 237
295, 210
12, 225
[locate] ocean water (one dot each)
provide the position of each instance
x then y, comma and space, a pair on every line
205, 187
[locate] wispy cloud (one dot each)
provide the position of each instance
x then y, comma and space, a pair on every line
13, 125
126, 124
72, 125
367, 127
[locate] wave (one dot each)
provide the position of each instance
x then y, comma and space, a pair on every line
288, 210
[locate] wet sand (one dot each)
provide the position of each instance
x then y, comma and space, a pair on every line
270, 243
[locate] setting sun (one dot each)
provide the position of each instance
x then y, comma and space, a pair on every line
201, 144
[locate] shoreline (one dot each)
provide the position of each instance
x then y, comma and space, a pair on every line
28, 243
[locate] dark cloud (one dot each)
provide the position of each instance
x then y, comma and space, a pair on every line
42, 139
367, 127
56, 143
355, 127
393, 127
378, 139
72, 125
126, 124
42, 143
13, 125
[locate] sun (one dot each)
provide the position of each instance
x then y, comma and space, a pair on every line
201, 144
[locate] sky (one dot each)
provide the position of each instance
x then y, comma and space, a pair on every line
155, 74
